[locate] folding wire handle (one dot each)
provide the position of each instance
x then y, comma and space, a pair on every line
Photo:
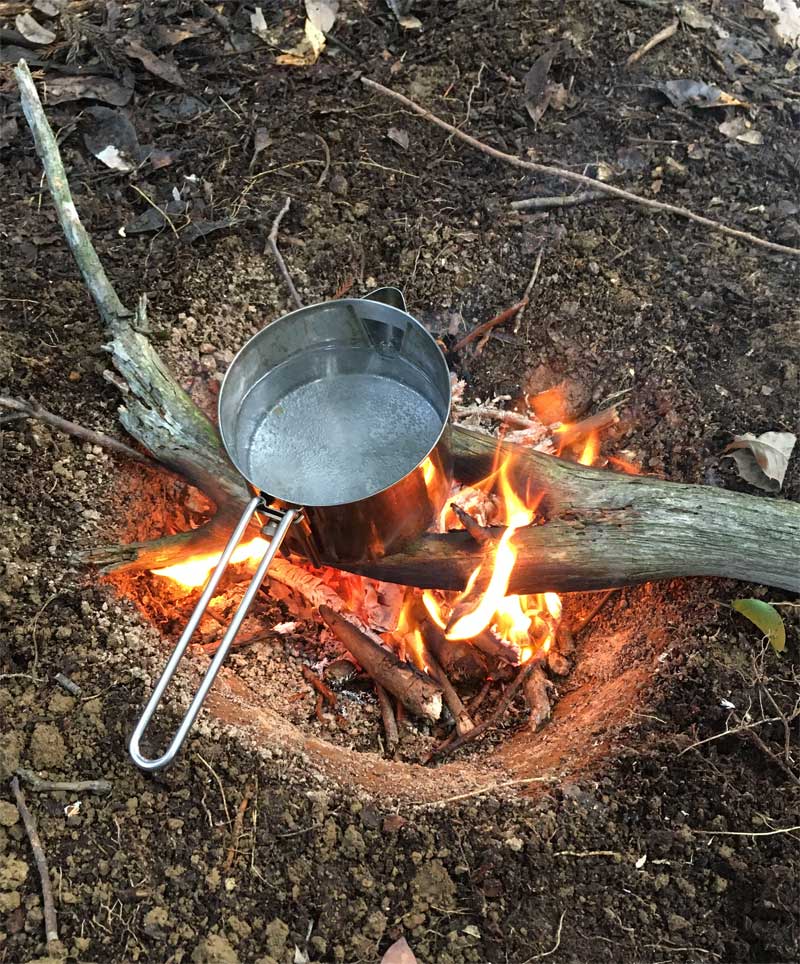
289, 517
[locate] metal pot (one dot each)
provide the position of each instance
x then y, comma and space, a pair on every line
336, 414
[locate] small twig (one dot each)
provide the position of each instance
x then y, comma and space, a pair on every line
746, 833
273, 243
210, 648
750, 734
450, 745
526, 297
208, 11
489, 411
214, 774
155, 207
50, 922
38, 785
664, 34
67, 684
325, 693
321, 178
479, 533
558, 201
567, 434
485, 326
389, 720
583, 179
481, 790
237, 828
555, 947
578, 628
476, 703
32, 410
588, 853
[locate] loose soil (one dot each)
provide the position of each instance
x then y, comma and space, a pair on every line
639, 846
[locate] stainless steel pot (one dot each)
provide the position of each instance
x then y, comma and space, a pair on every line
336, 414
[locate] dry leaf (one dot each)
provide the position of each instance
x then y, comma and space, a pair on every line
751, 137
159, 67
111, 137
61, 89
258, 25
32, 31
739, 129
47, 7
261, 141
307, 51
322, 13
400, 9
399, 136
399, 953
696, 93
693, 18
787, 26
762, 461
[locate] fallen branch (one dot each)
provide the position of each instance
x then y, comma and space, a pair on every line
576, 178
34, 411
415, 691
38, 785
50, 922
273, 243
558, 201
486, 326
664, 34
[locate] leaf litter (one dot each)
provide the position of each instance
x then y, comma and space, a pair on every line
33, 31
762, 461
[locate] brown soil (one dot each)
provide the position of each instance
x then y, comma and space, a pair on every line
636, 846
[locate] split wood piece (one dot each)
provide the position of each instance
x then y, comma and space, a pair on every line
606, 529
481, 534
420, 695
36, 412
54, 947
389, 720
490, 325
462, 661
537, 689
582, 179
459, 712
454, 743
664, 34
558, 201
100, 787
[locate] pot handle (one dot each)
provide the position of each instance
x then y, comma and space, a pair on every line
144, 763
388, 296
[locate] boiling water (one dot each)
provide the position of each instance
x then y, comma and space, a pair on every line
341, 439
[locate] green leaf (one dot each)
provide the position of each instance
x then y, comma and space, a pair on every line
766, 617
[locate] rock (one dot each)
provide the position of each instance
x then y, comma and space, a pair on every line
12, 873
338, 185
277, 934
214, 949
9, 754
353, 843
9, 901
47, 750
9, 814
433, 886
677, 923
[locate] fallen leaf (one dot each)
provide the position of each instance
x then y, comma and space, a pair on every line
399, 953
165, 36
261, 141
399, 136
47, 7
766, 618
322, 13
787, 25
762, 461
739, 129
61, 89
692, 17
307, 51
112, 139
400, 10
751, 137
301, 956
536, 85
160, 67
696, 93
258, 25
32, 31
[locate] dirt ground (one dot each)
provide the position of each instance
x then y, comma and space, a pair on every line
662, 850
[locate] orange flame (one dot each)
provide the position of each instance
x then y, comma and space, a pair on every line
590, 450
194, 572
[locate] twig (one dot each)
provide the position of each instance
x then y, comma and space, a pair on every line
155, 207
67, 684
451, 745
664, 34
32, 410
578, 628
325, 694
214, 774
273, 243
750, 734
555, 947
476, 703
557, 201
746, 833
208, 11
321, 178
462, 718
567, 434
50, 923
527, 295
485, 326
38, 785
237, 828
582, 179
479, 533
389, 720
481, 790
210, 648
489, 411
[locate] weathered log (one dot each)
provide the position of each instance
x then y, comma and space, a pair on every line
420, 695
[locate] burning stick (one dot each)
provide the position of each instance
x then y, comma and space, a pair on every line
462, 719
479, 533
417, 693
389, 720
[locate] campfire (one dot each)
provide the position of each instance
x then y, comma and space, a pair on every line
442, 667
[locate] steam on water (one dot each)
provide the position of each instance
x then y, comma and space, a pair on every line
342, 438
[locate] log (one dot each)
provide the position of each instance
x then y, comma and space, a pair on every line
415, 691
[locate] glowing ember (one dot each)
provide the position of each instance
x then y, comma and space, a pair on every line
194, 572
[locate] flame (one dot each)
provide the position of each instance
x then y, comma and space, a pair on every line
418, 649
591, 449
624, 465
433, 607
194, 572
428, 471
